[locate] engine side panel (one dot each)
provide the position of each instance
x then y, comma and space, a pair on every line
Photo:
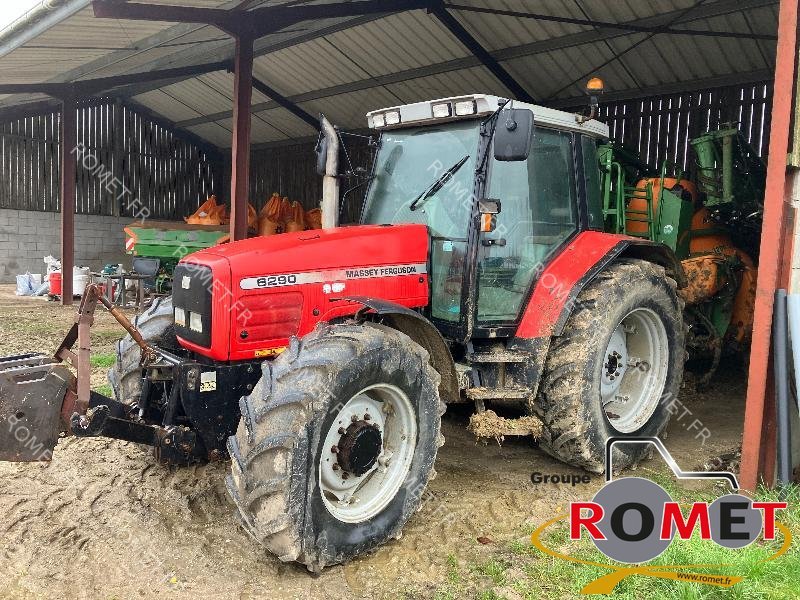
279, 286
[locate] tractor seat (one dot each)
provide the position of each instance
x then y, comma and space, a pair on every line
149, 268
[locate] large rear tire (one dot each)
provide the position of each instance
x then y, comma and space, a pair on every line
337, 443
616, 367
157, 326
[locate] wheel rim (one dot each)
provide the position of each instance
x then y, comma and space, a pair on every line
367, 453
634, 370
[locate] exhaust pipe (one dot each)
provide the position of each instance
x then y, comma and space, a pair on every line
330, 178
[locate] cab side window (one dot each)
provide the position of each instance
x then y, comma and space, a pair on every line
591, 178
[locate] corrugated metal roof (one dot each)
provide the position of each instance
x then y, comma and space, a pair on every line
345, 67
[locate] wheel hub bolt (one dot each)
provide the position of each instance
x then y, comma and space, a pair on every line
341, 430
335, 466
367, 417
345, 475
334, 449
354, 418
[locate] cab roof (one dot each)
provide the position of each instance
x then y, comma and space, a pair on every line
472, 106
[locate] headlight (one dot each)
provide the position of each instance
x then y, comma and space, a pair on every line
392, 117
378, 120
465, 107
180, 317
441, 110
196, 322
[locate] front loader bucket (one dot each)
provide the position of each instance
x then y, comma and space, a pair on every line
32, 390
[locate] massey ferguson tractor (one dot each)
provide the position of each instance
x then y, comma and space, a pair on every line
320, 362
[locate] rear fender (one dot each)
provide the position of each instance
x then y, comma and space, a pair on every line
423, 332
558, 285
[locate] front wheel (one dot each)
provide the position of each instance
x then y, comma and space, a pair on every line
616, 368
337, 443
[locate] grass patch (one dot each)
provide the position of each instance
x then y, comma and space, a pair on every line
108, 335
453, 576
103, 359
494, 569
453, 589
105, 389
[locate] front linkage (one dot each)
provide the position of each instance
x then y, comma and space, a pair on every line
180, 413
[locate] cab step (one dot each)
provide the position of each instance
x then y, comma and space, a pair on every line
499, 356
504, 393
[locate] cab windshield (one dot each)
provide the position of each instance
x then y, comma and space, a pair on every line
409, 162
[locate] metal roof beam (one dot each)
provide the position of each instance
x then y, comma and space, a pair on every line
283, 101
632, 27
704, 11
29, 109
269, 19
163, 12
721, 7
487, 60
51, 89
223, 50
254, 23
708, 83
98, 84
89, 87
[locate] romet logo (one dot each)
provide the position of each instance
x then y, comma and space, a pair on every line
634, 520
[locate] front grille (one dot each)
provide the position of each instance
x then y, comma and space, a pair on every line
191, 292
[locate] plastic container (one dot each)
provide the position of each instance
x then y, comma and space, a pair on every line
80, 279
55, 283
24, 285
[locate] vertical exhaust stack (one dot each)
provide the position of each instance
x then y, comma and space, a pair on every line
329, 152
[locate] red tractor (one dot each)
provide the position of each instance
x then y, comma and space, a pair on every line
321, 362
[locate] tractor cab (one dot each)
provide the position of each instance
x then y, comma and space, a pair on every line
501, 185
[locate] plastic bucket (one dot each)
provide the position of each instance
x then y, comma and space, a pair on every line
55, 283
80, 279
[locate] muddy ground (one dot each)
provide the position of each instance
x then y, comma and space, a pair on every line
103, 520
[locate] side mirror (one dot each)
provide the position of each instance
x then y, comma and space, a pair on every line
488, 209
513, 135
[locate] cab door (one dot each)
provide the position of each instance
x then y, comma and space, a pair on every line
538, 213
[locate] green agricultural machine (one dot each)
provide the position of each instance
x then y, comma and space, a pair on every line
711, 220
168, 242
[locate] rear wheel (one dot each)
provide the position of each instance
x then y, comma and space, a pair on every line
336, 444
616, 367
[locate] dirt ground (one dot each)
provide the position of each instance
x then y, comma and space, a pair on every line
103, 520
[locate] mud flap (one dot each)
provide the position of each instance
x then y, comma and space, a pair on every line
32, 390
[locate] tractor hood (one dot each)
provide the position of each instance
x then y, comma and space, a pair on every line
249, 297
318, 249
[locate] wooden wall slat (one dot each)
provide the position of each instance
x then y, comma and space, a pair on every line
167, 175
660, 128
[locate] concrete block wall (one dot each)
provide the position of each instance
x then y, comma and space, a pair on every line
26, 237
